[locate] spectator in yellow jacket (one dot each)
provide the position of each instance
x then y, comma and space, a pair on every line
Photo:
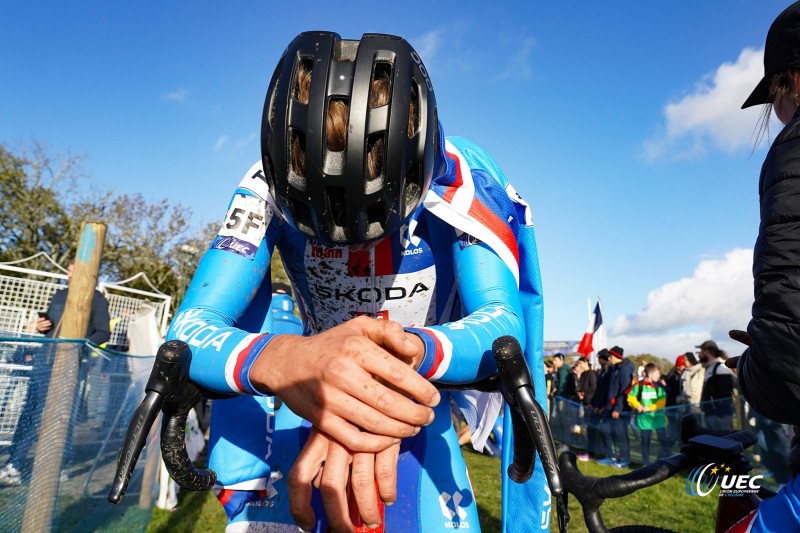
647, 398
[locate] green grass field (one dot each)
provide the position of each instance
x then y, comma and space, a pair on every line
665, 505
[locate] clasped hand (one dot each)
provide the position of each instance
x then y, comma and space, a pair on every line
357, 386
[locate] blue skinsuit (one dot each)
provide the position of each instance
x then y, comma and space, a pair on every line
453, 289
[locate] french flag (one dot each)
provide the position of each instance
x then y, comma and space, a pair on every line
595, 336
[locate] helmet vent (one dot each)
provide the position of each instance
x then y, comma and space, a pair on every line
345, 50
413, 110
380, 87
336, 124
297, 170
376, 220
336, 201
269, 171
375, 154
273, 103
302, 217
412, 190
302, 79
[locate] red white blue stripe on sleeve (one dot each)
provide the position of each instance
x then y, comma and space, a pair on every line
233, 501
241, 359
438, 353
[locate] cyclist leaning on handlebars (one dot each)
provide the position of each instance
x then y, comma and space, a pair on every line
769, 369
409, 254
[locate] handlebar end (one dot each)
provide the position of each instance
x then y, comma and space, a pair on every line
506, 347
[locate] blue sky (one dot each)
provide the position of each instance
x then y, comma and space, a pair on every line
618, 121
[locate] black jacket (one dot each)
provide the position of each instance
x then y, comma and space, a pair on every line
587, 384
621, 380
99, 329
673, 381
602, 382
769, 371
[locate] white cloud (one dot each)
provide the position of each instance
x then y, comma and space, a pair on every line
178, 96
221, 142
452, 51
428, 45
710, 117
235, 146
518, 66
681, 314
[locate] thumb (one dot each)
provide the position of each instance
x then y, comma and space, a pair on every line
732, 362
740, 336
388, 334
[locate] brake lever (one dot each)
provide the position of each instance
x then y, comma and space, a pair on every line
169, 390
516, 386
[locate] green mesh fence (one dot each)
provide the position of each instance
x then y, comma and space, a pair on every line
108, 388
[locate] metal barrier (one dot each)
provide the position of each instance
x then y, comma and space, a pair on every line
25, 291
13, 391
601, 436
109, 387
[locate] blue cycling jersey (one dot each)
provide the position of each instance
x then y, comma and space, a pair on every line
453, 282
774, 515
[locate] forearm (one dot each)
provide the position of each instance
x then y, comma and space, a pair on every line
767, 371
633, 401
490, 297
212, 314
222, 354
619, 403
468, 341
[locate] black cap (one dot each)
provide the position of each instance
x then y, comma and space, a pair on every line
781, 52
708, 345
617, 352
602, 354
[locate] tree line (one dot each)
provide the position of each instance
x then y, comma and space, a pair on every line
45, 198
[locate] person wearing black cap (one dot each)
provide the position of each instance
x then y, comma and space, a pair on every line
598, 441
769, 369
622, 373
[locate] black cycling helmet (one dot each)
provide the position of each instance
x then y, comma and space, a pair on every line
341, 193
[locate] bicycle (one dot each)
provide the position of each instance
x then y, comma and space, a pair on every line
701, 446
170, 390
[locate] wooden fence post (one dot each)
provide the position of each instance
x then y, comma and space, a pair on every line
55, 420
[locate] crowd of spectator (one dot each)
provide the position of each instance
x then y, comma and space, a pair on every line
615, 402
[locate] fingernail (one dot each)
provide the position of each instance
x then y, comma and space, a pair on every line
305, 527
430, 418
436, 399
396, 441
389, 503
372, 526
415, 431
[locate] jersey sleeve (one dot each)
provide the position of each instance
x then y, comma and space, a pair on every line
461, 351
633, 397
230, 276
